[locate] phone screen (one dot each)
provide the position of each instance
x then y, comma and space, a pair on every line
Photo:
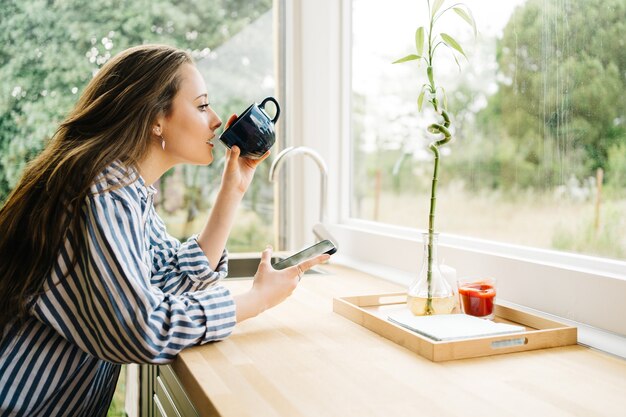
325, 246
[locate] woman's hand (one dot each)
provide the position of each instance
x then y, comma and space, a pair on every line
271, 286
238, 172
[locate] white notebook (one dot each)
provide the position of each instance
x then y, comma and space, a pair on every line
452, 326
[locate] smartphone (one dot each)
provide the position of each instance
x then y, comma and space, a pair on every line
325, 246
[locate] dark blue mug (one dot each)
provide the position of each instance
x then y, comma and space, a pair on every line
253, 131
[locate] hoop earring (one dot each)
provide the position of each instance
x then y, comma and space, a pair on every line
162, 142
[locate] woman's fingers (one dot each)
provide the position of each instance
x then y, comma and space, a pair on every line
230, 121
266, 255
271, 287
310, 263
255, 162
264, 157
232, 154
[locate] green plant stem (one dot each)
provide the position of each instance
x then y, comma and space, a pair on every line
433, 189
431, 228
434, 147
435, 128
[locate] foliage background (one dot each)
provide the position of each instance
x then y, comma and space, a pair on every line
560, 92
50, 49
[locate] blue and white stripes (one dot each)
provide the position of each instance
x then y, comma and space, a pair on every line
135, 295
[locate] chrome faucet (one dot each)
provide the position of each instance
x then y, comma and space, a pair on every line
319, 230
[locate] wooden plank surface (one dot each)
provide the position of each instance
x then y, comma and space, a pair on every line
301, 359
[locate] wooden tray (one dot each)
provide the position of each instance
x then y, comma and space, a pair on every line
370, 311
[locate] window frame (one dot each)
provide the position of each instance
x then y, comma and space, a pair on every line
536, 279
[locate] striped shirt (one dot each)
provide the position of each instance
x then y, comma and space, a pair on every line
135, 295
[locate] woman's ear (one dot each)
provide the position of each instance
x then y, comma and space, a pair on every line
157, 128
158, 125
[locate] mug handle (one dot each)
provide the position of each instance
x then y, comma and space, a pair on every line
273, 100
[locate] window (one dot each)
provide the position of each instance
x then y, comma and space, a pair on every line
238, 72
329, 107
49, 53
539, 116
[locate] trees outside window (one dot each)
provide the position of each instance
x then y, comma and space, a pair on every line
540, 125
50, 49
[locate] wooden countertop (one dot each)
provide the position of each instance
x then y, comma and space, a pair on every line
301, 359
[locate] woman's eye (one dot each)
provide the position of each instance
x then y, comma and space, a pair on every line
203, 107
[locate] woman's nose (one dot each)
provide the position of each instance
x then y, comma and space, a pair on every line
215, 121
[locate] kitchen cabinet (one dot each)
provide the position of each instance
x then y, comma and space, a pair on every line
162, 394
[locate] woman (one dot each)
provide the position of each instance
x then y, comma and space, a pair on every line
88, 275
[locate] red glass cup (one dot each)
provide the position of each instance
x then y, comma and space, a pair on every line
477, 297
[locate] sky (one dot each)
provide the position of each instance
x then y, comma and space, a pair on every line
390, 20
388, 27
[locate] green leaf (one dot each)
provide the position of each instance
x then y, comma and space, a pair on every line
437, 6
449, 40
467, 16
445, 98
411, 57
420, 100
419, 40
457, 62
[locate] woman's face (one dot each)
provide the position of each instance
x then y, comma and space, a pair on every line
190, 127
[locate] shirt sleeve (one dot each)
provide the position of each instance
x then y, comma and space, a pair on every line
106, 304
181, 267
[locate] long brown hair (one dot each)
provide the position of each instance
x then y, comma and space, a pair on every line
112, 121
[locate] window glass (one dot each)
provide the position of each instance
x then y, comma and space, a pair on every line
50, 50
538, 116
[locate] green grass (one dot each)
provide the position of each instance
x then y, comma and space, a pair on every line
528, 218
603, 237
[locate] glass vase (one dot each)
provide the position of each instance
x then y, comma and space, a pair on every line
430, 293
